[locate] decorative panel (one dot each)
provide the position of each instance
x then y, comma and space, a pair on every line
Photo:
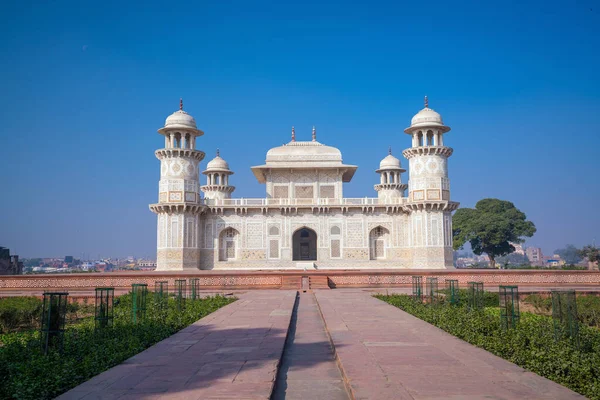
174, 231
280, 192
190, 196
447, 231
274, 248
435, 238
433, 194
336, 248
208, 236
327, 192
254, 235
354, 232
175, 196
417, 231
304, 192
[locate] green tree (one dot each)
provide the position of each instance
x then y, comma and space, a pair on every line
592, 253
571, 254
490, 228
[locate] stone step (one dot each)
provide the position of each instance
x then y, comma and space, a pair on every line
291, 282
319, 282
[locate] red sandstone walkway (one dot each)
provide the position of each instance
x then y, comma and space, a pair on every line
308, 369
230, 354
386, 353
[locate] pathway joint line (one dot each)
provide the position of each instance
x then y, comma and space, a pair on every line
335, 354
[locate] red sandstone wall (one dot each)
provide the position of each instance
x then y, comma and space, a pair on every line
212, 280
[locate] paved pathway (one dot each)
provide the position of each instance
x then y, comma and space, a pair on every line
308, 368
232, 353
383, 352
386, 353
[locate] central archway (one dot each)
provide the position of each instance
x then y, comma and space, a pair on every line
304, 242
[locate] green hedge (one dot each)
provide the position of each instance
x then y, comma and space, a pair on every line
531, 345
19, 312
490, 299
25, 373
588, 307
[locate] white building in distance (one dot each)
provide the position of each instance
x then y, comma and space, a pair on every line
304, 221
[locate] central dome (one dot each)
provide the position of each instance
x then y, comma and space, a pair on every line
304, 152
302, 156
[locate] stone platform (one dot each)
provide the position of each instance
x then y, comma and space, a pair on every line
293, 279
341, 344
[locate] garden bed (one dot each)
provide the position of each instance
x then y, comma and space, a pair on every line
531, 345
26, 373
588, 307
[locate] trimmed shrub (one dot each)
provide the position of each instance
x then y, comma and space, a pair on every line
25, 373
19, 313
588, 307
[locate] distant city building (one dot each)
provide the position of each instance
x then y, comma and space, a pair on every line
553, 261
535, 256
9, 265
68, 259
147, 263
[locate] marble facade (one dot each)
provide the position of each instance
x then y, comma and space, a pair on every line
304, 221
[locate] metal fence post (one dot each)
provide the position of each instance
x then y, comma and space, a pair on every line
54, 310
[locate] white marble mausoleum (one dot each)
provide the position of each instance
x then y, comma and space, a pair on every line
304, 221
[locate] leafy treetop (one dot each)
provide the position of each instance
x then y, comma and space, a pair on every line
570, 253
591, 252
490, 228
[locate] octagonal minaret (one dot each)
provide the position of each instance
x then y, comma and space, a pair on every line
179, 203
390, 186
217, 179
429, 190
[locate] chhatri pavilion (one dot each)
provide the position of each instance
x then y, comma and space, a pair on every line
304, 221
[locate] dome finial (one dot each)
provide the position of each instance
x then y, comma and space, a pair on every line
218, 153
314, 134
390, 151
181, 104
426, 102
293, 134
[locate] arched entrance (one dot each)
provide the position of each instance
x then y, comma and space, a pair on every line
304, 243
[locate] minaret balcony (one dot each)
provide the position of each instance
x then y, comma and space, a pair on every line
427, 151
217, 188
429, 205
391, 186
179, 152
175, 208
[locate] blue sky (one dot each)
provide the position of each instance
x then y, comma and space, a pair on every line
84, 87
